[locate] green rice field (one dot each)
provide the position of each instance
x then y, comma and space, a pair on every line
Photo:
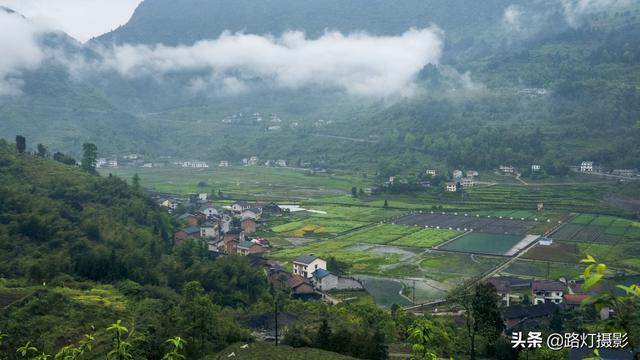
484, 243
426, 238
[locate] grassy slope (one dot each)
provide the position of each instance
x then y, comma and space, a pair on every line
264, 351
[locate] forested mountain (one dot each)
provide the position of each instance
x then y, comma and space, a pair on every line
544, 81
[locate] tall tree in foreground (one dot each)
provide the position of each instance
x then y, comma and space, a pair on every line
21, 143
488, 320
463, 297
89, 157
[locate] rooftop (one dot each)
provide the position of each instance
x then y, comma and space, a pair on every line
321, 273
548, 286
305, 259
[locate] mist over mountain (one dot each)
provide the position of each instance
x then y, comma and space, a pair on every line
407, 75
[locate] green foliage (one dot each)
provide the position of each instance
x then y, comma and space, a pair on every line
89, 157
488, 320
431, 338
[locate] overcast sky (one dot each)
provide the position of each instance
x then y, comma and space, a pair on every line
82, 19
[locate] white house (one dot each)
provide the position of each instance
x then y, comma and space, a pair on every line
547, 292
209, 230
586, 166
503, 288
195, 164
253, 161
467, 182
240, 206
472, 173
451, 187
203, 196
223, 163
253, 213
536, 168
545, 241
505, 169
306, 265
457, 174
281, 163
431, 172
169, 204
208, 211
323, 280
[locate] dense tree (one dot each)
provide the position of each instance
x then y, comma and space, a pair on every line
21, 143
65, 159
323, 338
336, 266
488, 320
42, 151
89, 157
463, 297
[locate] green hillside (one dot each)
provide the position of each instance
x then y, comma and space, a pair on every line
264, 351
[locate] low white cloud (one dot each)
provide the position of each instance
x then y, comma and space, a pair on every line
512, 18
575, 10
82, 19
20, 51
525, 20
357, 63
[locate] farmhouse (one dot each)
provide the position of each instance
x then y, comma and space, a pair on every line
431, 172
189, 218
203, 196
281, 163
191, 232
305, 265
457, 174
467, 182
195, 164
323, 280
253, 161
169, 204
586, 166
247, 247
278, 277
223, 163
240, 206
231, 240
301, 288
209, 230
208, 211
248, 226
505, 169
472, 173
451, 187
536, 168
503, 288
547, 291
524, 316
252, 213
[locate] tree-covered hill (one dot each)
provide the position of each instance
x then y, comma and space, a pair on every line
546, 90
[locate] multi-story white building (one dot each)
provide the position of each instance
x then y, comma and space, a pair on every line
547, 292
586, 166
306, 265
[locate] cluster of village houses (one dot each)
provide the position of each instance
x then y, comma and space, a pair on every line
545, 297
231, 230
134, 160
